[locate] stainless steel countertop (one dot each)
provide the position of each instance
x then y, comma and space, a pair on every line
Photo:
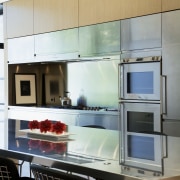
89, 151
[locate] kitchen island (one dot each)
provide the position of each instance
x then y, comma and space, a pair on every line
87, 151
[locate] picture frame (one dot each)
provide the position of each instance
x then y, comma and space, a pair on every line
25, 89
54, 88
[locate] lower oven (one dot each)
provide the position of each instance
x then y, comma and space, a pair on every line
142, 144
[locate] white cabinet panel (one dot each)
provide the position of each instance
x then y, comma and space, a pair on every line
2, 63
2, 90
30, 113
2, 134
21, 50
1, 29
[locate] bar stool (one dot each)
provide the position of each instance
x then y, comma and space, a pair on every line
46, 173
8, 170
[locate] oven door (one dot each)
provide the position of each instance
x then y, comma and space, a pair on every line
144, 151
141, 140
140, 81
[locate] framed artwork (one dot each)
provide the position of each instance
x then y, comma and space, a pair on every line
25, 89
53, 89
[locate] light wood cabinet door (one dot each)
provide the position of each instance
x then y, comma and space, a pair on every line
19, 18
136, 8
98, 11
170, 5
55, 15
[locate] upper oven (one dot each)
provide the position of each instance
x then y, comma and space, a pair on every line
140, 78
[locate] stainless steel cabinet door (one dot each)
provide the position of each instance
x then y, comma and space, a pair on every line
141, 33
99, 39
171, 64
51, 45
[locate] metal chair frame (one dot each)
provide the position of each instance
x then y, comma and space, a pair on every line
46, 173
9, 171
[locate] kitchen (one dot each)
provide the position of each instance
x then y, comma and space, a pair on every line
12, 68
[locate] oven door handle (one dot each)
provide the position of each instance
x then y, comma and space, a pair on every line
121, 81
122, 132
164, 146
164, 94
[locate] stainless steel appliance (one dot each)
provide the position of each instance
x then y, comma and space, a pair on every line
142, 143
140, 78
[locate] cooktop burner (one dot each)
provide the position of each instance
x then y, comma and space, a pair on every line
82, 108
87, 108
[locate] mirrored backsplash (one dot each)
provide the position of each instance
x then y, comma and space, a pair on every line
93, 83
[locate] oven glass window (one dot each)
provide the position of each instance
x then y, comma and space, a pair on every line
140, 121
141, 147
140, 82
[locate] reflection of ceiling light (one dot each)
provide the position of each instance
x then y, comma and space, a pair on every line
2, 1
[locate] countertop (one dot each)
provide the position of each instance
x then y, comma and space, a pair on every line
89, 151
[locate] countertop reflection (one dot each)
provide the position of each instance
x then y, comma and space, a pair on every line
89, 151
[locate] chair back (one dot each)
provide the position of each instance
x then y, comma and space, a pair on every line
8, 169
45, 173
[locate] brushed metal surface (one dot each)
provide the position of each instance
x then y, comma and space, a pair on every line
171, 65
98, 144
58, 45
99, 39
97, 81
141, 32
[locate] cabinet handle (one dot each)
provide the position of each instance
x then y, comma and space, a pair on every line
164, 94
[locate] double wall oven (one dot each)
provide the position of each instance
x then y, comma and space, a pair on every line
142, 144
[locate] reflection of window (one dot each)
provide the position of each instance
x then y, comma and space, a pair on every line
25, 88
141, 147
54, 87
140, 82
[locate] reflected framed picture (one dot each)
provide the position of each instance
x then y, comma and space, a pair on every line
53, 89
25, 89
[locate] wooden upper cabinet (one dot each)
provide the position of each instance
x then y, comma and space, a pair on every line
107, 10
52, 15
168, 5
87, 12
98, 11
19, 18
135, 8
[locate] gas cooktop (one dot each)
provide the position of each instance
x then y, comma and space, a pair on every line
90, 108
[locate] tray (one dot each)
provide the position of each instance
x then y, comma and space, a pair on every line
46, 136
